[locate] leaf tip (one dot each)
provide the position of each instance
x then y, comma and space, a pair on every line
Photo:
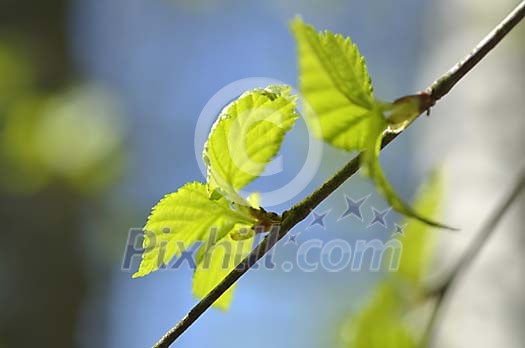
296, 21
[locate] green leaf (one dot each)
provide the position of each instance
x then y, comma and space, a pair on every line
418, 239
215, 261
182, 218
380, 324
246, 136
383, 322
17, 71
334, 80
371, 166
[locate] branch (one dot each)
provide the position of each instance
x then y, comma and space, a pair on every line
471, 253
302, 209
444, 84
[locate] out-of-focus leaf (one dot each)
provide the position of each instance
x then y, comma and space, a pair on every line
383, 322
380, 324
334, 80
16, 75
246, 136
74, 137
77, 129
22, 169
418, 239
182, 218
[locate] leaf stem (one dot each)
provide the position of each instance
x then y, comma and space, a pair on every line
302, 209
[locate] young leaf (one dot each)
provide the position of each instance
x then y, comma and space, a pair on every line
370, 163
214, 262
334, 80
417, 237
380, 324
246, 136
182, 218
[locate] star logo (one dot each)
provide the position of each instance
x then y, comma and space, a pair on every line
292, 239
318, 219
379, 217
353, 207
400, 230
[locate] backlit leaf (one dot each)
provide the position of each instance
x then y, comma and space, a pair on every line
334, 80
215, 262
182, 218
246, 137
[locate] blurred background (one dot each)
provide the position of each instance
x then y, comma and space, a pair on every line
99, 102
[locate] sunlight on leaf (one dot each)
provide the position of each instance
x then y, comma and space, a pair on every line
182, 218
215, 262
334, 81
245, 138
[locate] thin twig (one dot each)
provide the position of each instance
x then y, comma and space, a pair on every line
470, 255
301, 210
445, 83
